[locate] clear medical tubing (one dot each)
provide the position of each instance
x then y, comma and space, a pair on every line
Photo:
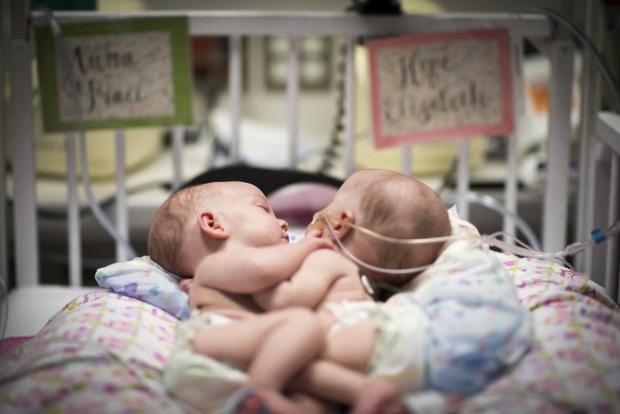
493, 204
598, 236
323, 217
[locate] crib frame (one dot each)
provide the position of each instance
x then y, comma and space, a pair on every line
600, 133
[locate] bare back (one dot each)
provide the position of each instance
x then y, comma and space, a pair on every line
324, 276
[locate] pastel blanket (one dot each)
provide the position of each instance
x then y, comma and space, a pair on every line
574, 364
104, 353
101, 353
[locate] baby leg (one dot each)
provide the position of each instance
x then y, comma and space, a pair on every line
353, 346
333, 382
271, 347
251, 401
378, 397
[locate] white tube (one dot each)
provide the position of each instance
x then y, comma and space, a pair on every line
512, 161
122, 222
463, 178
350, 110
177, 156
406, 160
73, 213
292, 90
234, 93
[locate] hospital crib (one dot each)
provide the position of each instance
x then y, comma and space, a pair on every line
598, 200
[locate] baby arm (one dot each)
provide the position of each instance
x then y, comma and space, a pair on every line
251, 270
310, 284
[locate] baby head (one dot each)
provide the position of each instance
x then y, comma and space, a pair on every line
199, 220
393, 205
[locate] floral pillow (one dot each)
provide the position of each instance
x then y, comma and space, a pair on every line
143, 279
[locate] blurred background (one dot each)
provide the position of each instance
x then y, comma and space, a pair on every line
263, 128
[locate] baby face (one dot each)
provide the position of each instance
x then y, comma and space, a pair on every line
249, 217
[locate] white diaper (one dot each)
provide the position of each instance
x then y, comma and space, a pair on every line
203, 382
398, 355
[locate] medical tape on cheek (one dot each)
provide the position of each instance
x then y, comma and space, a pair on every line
317, 223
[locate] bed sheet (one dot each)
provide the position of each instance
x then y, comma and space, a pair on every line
104, 353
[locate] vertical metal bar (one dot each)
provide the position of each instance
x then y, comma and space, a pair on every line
22, 132
178, 132
73, 212
510, 188
292, 89
611, 260
406, 160
601, 163
556, 194
463, 178
350, 110
234, 91
590, 96
4, 47
3, 198
122, 226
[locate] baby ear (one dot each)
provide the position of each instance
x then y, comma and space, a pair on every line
211, 225
341, 228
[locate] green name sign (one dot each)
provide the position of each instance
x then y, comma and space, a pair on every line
119, 74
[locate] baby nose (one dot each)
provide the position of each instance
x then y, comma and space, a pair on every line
284, 225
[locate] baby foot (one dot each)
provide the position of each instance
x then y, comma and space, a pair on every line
248, 401
378, 397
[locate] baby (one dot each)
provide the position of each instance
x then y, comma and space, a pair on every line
226, 235
388, 342
451, 328
249, 258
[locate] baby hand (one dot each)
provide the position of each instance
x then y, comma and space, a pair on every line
315, 243
185, 284
313, 233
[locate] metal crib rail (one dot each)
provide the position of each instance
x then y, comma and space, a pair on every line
606, 194
347, 26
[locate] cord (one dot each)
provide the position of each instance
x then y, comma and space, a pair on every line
335, 137
327, 220
52, 214
363, 7
598, 237
96, 209
493, 204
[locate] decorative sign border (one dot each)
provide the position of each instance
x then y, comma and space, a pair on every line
505, 124
181, 76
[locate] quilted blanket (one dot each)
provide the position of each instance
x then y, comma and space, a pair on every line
104, 353
574, 365
101, 353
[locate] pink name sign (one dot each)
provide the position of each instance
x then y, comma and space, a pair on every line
438, 86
